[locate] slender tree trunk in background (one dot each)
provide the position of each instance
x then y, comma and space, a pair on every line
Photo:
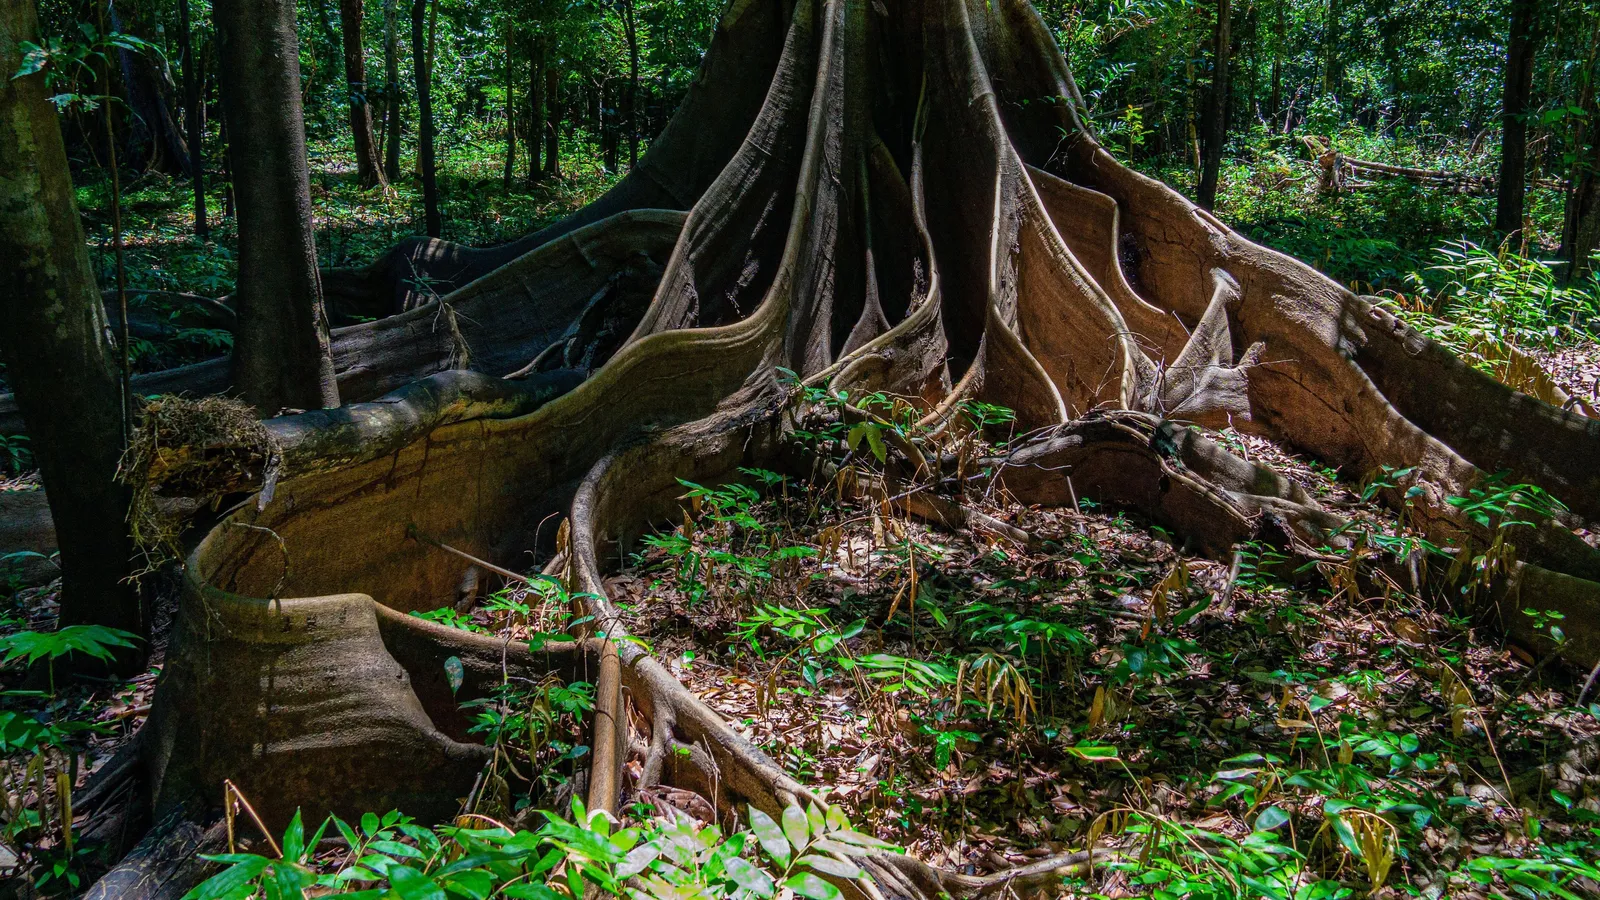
281, 358
1332, 73
536, 115
53, 336
631, 24
195, 112
369, 172
391, 89
511, 114
425, 164
1215, 118
1580, 231
552, 127
230, 206
1278, 37
608, 127
1513, 118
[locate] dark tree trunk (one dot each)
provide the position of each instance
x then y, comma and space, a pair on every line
195, 112
536, 113
281, 358
552, 125
511, 114
369, 172
1513, 118
422, 65
391, 89
631, 24
54, 338
608, 126
155, 141
1215, 126
1580, 232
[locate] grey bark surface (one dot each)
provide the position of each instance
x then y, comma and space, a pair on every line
55, 338
280, 357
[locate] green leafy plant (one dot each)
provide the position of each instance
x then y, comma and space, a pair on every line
95, 641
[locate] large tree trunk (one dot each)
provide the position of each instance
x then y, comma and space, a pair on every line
422, 69
1011, 261
1216, 112
54, 339
280, 354
369, 171
194, 111
154, 137
1513, 118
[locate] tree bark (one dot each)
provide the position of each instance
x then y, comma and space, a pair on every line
1275, 104
536, 105
194, 110
631, 27
1580, 233
552, 125
154, 139
391, 90
1332, 72
1509, 200
369, 171
422, 66
55, 339
1216, 112
280, 358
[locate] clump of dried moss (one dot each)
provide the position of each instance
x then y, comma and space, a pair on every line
196, 449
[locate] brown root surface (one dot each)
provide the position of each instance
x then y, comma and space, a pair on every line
897, 219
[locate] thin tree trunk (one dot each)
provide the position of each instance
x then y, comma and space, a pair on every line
53, 335
1514, 125
369, 172
536, 111
1216, 111
1332, 74
421, 63
552, 128
631, 25
280, 357
196, 116
1278, 33
511, 114
1580, 232
391, 89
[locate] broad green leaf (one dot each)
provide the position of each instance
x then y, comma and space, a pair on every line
796, 827
220, 885
742, 873
409, 884
808, 885
770, 837
1271, 819
827, 865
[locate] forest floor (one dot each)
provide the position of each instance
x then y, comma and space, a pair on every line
1254, 726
